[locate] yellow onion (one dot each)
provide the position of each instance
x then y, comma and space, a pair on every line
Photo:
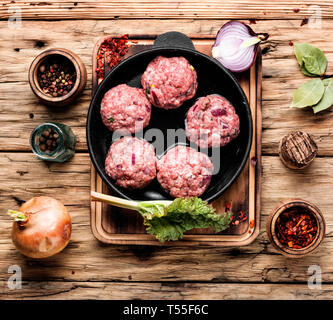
41, 228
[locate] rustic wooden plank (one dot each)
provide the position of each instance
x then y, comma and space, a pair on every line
174, 9
23, 176
163, 291
280, 71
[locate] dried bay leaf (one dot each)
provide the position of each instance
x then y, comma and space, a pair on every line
326, 81
327, 99
311, 59
315, 65
308, 94
306, 72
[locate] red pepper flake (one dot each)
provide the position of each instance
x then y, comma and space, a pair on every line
238, 218
296, 228
252, 21
296, 10
227, 206
252, 224
291, 43
112, 50
304, 21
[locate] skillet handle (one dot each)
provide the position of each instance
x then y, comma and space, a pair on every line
173, 39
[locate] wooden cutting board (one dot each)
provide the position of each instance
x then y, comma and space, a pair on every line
113, 225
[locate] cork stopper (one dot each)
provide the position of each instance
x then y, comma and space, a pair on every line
297, 150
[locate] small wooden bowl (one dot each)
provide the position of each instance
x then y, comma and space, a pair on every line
311, 209
79, 85
297, 150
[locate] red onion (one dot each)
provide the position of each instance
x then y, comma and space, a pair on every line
224, 125
254, 161
155, 99
218, 112
236, 46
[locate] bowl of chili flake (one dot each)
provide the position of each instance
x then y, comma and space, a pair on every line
296, 228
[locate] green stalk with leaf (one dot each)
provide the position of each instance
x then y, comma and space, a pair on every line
316, 93
168, 220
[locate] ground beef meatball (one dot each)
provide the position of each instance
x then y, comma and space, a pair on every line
212, 122
125, 108
184, 172
169, 82
131, 162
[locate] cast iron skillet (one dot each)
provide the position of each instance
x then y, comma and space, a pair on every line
212, 78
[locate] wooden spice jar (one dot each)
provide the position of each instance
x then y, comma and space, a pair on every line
295, 205
72, 91
297, 150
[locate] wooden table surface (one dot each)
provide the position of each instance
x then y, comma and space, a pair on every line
88, 269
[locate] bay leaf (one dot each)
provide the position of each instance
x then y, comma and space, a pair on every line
306, 72
327, 99
308, 94
326, 81
311, 59
315, 65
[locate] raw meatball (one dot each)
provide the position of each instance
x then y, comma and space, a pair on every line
126, 109
169, 82
131, 162
212, 122
184, 172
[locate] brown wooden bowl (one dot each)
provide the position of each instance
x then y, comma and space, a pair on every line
311, 209
79, 85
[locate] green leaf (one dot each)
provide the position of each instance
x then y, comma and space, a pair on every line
17, 215
327, 99
150, 209
326, 81
306, 72
147, 91
315, 65
168, 220
311, 59
308, 94
110, 119
184, 214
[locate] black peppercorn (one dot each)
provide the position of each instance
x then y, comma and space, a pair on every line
56, 74
48, 141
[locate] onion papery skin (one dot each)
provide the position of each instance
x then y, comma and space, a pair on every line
226, 48
46, 231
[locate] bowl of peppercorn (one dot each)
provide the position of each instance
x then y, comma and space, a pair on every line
296, 228
57, 77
